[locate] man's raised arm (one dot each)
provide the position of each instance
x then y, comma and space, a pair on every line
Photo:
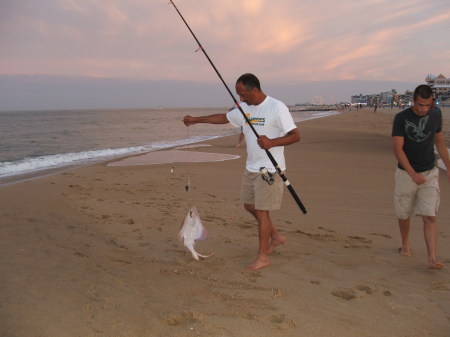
211, 119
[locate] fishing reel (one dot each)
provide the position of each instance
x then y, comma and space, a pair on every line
267, 176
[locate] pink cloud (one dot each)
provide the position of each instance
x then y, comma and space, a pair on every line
318, 40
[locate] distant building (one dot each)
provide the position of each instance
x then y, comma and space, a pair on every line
359, 99
440, 86
407, 97
373, 100
387, 98
445, 103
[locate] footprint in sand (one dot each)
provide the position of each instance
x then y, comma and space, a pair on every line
387, 293
317, 236
325, 229
183, 318
440, 286
358, 291
346, 294
252, 276
278, 293
387, 236
79, 254
357, 242
349, 241
282, 322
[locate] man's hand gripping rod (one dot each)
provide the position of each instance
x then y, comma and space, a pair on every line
272, 159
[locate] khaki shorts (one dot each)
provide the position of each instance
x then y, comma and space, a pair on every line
255, 191
410, 198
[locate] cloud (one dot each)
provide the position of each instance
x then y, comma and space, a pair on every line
285, 40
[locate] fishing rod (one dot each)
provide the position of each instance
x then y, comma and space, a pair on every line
272, 159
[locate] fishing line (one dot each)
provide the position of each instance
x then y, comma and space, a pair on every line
272, 159
188, 182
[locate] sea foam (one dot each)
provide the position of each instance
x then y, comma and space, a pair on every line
30, 165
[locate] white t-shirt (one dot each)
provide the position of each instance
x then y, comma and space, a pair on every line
271, 118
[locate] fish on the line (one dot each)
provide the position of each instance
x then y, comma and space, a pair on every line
192, 229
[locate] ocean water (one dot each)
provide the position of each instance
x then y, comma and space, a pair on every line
36, 142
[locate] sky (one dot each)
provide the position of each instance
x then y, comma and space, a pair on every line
288, 42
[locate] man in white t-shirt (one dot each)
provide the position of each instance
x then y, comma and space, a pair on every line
276, 128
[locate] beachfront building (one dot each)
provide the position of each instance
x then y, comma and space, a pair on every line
407, 97
387, 97
359, 99
402, 100
373, 100
446, 103
381, 99
440, 86
384, 99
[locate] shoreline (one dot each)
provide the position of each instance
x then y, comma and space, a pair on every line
77, 163
41, 173
94, 252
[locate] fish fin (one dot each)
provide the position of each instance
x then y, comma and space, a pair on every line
205, 256
199, 231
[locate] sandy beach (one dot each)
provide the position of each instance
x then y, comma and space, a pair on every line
94, 251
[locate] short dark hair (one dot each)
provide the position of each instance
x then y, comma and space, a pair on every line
423, 91
249, 81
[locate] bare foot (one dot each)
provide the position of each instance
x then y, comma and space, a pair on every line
275, 242
435, 265
404, 252
259, 263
